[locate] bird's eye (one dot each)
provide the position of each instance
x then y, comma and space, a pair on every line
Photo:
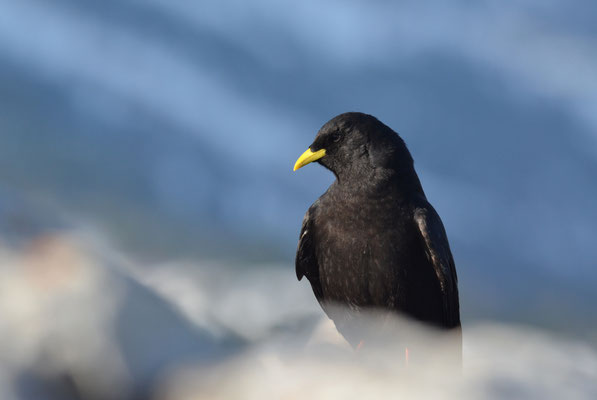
336, 137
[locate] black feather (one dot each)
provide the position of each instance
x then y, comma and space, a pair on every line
372, 241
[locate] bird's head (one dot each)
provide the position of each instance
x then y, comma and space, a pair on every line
356, 144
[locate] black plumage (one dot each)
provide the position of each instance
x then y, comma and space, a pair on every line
372, 240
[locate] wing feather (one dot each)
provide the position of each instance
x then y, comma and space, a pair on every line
306, 260
438, 252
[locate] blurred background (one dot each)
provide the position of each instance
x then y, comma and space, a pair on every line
149, 214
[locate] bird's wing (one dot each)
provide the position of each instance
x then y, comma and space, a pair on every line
438, 252
306, 260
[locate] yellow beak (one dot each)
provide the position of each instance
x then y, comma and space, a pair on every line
308, 157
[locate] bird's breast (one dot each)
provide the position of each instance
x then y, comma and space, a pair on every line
362, 253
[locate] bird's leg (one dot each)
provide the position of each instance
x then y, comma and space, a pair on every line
361, 343
406, 356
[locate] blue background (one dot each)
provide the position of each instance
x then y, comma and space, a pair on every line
172, 128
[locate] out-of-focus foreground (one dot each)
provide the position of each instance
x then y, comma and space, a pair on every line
81, 321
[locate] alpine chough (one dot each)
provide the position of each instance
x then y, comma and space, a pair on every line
372, 241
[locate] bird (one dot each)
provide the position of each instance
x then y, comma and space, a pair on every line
372, 241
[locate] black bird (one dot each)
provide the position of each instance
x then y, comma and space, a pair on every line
372, 241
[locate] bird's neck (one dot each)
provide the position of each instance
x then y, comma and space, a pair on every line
401, 184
